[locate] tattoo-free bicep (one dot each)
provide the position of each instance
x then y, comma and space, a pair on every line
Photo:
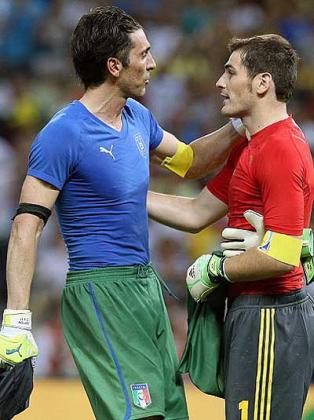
35, 191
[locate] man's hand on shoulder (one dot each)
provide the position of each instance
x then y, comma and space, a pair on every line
16, 340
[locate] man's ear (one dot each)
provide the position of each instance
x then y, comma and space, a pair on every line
114, 66
263, 83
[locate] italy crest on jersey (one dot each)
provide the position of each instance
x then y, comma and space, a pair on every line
140, 144
141, 395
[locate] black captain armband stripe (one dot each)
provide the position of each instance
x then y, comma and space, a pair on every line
35, 209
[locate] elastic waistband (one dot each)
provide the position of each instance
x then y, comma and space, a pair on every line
107, 273
269, 300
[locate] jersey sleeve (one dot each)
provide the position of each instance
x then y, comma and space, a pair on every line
219, 185
280, 176
55, 153
156, 132
153, 129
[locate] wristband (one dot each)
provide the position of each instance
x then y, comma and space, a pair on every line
17, 318
224, 271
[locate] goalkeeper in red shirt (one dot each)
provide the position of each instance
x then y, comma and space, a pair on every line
269, 327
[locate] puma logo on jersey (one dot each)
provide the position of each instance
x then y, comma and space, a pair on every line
109, 152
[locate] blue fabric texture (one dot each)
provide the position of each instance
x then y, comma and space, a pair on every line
103, 176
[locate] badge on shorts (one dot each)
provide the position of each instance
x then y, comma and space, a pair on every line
141, 395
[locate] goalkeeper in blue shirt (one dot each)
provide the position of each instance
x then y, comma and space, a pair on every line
92, 161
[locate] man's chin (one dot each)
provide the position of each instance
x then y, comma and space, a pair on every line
229, 113
138, 94
226, 112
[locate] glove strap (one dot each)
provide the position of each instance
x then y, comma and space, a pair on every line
17, 318
215, 268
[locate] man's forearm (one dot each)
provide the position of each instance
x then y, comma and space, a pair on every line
21, 259
253, 265
173, 211
211, 150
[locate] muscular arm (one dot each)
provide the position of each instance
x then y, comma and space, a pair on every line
183, 213
210, 151
253, 265
25, 234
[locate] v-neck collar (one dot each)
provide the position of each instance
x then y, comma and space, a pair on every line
101, 122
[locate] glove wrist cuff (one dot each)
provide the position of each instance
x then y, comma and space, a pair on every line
224, 272
216, 270
16, 318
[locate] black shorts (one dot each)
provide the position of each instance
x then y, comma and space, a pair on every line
269, 356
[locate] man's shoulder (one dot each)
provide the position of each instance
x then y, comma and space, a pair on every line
285, 147
288, 138
135, 107
63, 123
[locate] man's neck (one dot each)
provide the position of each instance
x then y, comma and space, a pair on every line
263, 116
105, 103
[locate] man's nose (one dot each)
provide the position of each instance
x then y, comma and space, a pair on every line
151, 64
220, 84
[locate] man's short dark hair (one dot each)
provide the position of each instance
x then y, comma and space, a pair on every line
100, 34
269, 53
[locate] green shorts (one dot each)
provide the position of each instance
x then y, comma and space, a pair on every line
117, 327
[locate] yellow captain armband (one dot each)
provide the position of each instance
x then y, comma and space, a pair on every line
284, 248
181, 161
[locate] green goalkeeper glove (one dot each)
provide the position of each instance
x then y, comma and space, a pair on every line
16, 340
205, 275
307, 255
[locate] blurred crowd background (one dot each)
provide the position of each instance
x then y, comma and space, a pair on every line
188, 40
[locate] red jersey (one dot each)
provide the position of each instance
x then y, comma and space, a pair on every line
271, 174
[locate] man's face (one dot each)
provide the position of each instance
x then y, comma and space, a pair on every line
236, 88
134, 78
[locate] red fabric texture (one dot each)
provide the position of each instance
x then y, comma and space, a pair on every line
273, 175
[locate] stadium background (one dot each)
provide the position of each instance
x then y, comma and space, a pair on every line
188, 40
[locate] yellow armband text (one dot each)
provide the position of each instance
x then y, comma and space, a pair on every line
284, 248
181, 161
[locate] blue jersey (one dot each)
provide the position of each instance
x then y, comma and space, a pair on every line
103, 176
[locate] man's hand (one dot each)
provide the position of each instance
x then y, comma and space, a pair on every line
205, 275
16, 340
236, 241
